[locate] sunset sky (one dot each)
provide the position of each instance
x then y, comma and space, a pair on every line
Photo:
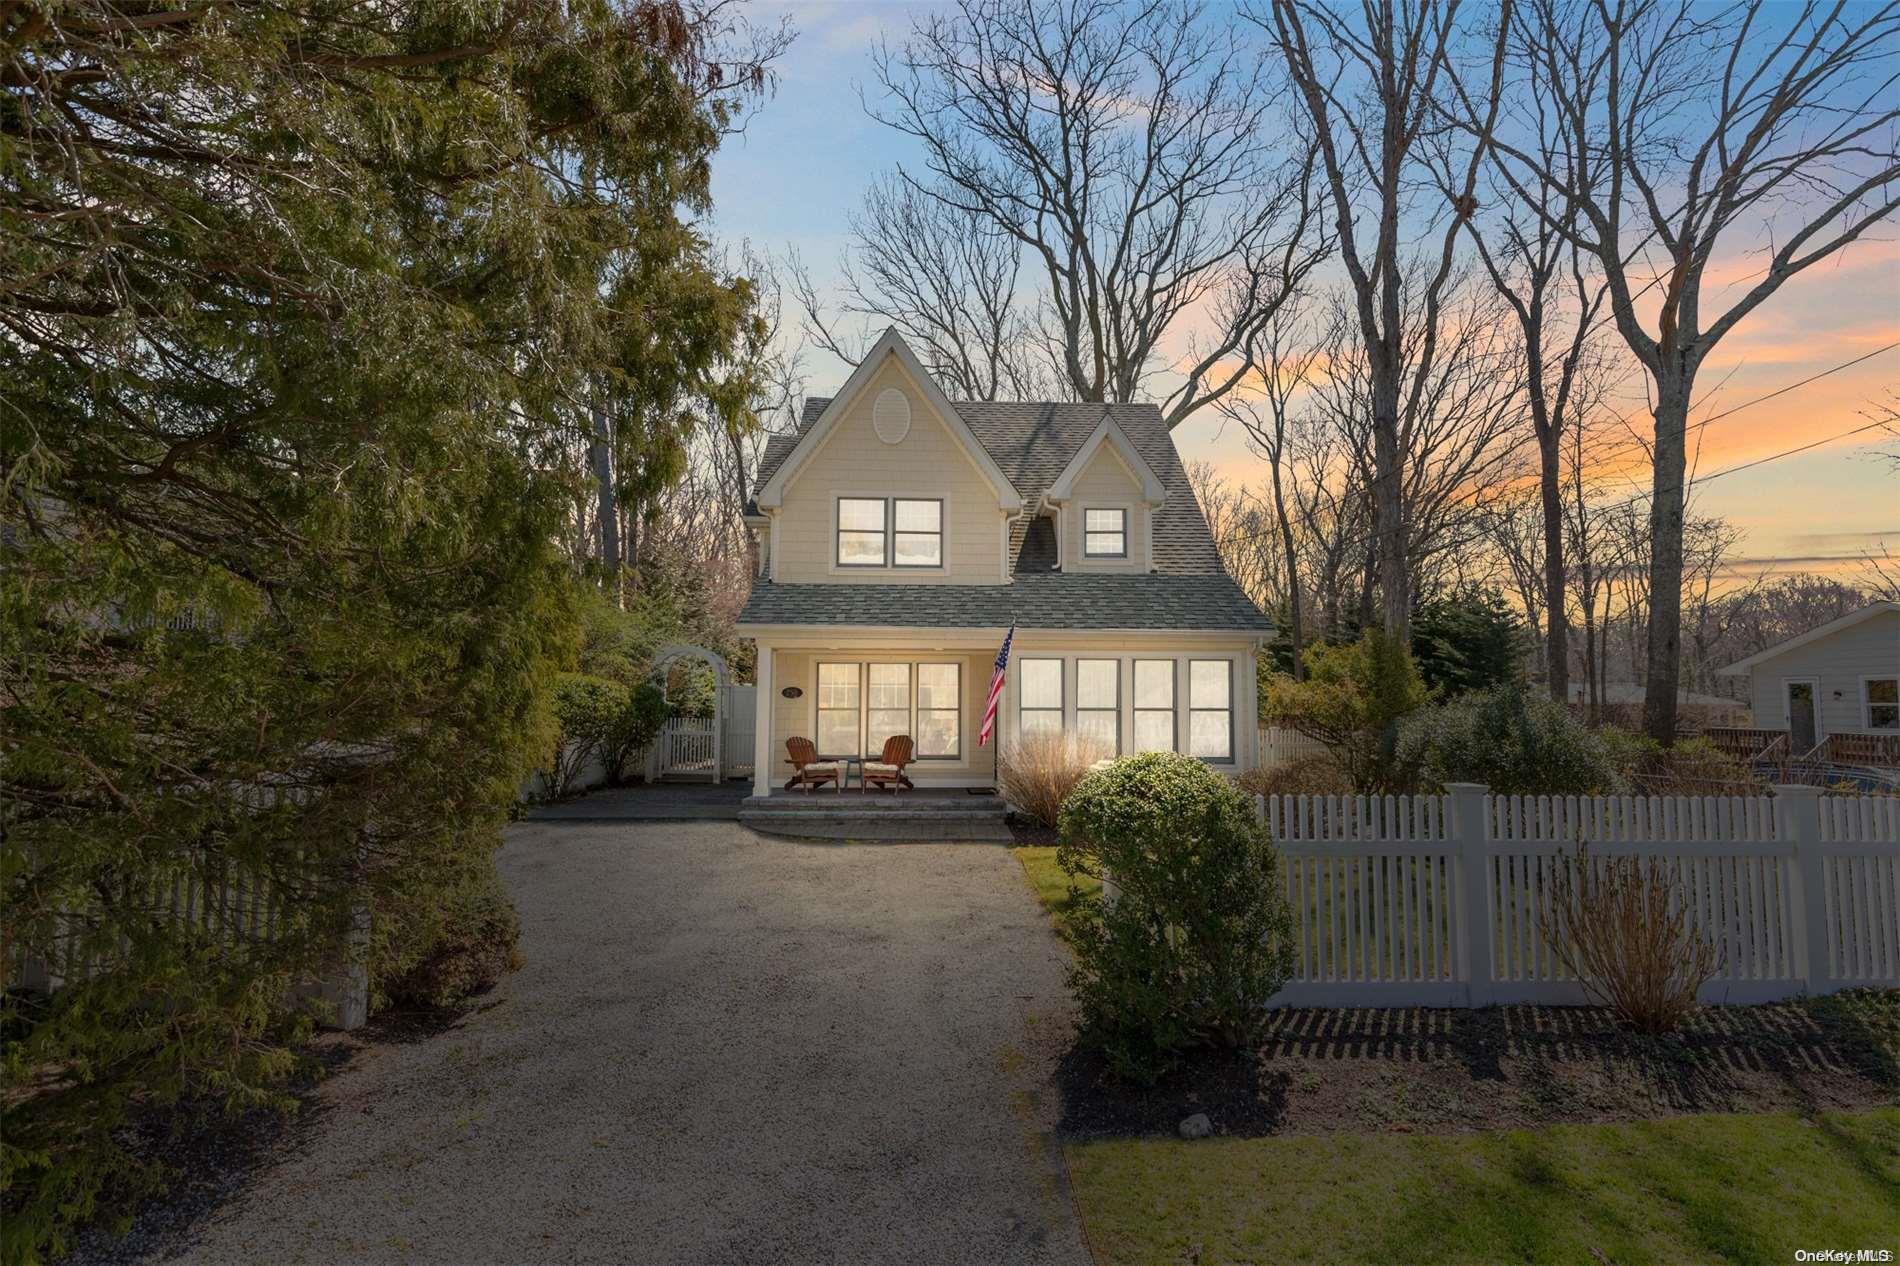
807, 156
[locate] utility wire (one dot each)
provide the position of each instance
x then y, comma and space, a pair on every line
1692, 482
1734, 409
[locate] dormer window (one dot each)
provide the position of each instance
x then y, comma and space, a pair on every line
1105, 534
890, 532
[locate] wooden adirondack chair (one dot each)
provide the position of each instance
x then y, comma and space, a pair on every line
888, 769
809, 770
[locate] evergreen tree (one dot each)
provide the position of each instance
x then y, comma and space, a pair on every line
1467, 639
298, 306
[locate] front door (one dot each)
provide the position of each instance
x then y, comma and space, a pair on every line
1800, 717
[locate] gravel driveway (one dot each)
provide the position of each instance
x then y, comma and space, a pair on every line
724, 1047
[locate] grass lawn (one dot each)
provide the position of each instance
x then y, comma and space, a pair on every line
1048, 882
1719, 1187
1748, 1188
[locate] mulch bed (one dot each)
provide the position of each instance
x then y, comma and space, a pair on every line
211, 1158
1029, 833
1322, 1071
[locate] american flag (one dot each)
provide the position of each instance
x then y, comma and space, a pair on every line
996, 688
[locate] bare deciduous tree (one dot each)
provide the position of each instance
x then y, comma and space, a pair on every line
950, 283
1754, 128
1458, 430
1128, 151
1284, 365
1367, 81
1237, 520
1557, 301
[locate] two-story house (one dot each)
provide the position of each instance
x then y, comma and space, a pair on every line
901, 534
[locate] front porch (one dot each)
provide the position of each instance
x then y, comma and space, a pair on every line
848, 690
849, 696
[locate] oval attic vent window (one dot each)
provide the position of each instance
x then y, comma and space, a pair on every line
890, 415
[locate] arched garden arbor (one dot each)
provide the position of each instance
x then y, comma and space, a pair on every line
694, 747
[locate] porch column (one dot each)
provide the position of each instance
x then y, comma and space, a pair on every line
762, 699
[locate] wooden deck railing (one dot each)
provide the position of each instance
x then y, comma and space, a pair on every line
1746, 744
1882, 750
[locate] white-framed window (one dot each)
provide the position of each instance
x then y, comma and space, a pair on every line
917, 534
1098, 701
1039, 682
1880, 702
939, 711
840, 696
1211, 709
1154, 705
887, 704
861, 534
890, 532
1104, 533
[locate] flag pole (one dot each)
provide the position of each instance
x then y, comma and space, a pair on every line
992, 720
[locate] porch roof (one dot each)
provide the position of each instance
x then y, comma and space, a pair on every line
1212, 603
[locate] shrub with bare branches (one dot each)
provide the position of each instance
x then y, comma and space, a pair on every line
1315, 774
1691, 767
1038, 773
1622, 926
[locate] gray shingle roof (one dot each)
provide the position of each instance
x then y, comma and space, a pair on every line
1051, 600
1032, 442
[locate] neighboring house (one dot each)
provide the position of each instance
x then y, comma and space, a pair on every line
901, 534
1835, 688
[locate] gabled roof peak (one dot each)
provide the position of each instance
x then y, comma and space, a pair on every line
889, 345
1814, 634
1109, 432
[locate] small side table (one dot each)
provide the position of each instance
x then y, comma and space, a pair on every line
850, 763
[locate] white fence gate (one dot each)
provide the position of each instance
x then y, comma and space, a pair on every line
1442, 900
684, 748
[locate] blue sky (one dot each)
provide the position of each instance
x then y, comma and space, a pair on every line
809, 152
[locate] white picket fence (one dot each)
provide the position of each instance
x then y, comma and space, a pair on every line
1280, 745
1443, 900
230, 908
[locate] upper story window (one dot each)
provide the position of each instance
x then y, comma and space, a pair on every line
1105, 534
861, 535
1883, 703
919, 536
890, 531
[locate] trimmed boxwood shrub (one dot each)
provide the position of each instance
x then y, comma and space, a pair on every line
1199, 935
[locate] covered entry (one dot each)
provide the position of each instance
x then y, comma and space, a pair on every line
703, 749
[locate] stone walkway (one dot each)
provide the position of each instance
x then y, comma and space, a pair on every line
723, 1048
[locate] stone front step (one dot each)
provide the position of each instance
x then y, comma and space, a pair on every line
850, 815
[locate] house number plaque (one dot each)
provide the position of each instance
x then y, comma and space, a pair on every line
791, 692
